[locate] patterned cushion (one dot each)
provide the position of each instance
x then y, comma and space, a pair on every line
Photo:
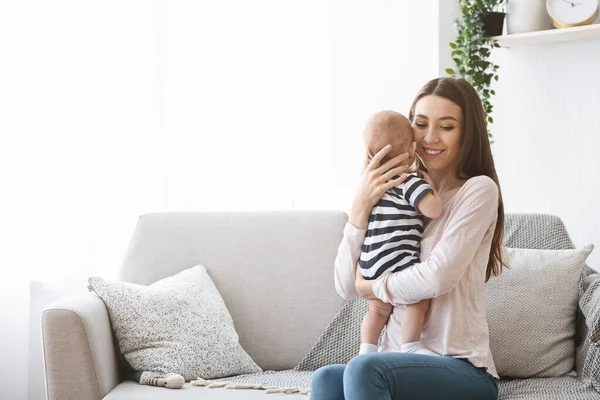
531, 336
179, 324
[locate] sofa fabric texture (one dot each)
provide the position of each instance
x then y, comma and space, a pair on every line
590, 305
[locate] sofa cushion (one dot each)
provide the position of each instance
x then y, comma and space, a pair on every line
531, 310
129, 390
179, 324
561, 388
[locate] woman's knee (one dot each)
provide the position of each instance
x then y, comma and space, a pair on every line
328, 373
328, 383
361, 366
330, 376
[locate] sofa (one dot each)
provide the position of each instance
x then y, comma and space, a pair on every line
274, 271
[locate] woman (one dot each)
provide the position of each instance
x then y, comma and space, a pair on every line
460, 250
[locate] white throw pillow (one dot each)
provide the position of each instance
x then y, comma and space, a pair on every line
531, 310
179, 325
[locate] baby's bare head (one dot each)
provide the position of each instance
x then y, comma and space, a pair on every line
388, 127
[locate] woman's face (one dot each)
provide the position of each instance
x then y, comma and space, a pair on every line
437, 128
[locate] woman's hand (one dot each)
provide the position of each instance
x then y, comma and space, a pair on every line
363, 287
374, 182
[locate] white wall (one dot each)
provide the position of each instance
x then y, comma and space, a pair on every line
382, 53
103, 125
447, 12
547, 132
14, 346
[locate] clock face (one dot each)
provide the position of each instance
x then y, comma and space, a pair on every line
572, 12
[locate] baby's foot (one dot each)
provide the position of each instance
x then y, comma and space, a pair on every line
417, 348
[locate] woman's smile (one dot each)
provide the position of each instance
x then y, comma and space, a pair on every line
432, 153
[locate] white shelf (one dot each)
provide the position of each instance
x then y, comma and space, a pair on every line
550, 36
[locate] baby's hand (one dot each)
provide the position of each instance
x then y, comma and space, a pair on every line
431, 204
428, 180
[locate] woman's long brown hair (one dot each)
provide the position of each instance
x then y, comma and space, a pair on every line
475, 156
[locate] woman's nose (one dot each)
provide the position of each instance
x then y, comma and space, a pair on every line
431, 136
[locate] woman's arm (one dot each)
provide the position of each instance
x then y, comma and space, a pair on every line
345, 262
449, 259
374, 181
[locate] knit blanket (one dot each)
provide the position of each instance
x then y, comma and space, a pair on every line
338, 344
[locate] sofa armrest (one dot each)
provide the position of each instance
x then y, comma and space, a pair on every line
79, 352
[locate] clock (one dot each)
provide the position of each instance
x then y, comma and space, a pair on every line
569, 13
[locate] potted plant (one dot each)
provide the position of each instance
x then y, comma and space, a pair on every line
472, 49
493, 21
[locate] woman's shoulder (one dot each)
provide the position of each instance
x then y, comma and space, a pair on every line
482, 186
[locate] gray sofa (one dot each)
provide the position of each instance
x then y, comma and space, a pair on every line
275, 273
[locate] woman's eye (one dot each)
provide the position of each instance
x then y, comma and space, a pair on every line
420, 125
447, 127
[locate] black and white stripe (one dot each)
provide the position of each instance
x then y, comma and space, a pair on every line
393, 237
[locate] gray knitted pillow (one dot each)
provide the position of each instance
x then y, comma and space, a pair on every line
177, 325
531, 309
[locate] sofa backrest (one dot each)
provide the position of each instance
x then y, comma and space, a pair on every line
273, 269
536, 231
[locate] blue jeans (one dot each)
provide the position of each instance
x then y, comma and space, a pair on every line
403, 376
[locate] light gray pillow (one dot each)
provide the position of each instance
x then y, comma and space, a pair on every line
531, 310
177, 325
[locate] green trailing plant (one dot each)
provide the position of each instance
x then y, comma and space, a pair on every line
472, 49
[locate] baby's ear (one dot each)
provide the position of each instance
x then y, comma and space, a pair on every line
413, 149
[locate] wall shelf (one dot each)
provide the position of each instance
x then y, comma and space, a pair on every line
549, 36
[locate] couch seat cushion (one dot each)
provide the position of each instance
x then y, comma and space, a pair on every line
561, 388
130, 390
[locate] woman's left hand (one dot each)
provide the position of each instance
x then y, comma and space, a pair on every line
364, 287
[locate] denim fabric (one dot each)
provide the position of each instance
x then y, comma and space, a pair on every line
403, 376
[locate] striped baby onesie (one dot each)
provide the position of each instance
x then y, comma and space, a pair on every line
393, 236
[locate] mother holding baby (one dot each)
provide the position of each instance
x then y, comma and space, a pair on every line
459, 252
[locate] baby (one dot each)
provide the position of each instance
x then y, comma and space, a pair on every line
392, 241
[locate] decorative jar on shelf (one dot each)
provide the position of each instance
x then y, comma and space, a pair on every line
526, 16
